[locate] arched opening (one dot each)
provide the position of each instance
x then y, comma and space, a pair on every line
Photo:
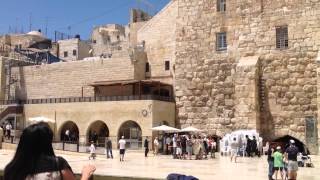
132, 134
97, 132
69, 132
284, 143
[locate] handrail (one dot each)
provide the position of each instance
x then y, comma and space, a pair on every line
87, 99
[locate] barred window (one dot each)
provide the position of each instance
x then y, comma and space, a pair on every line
167, 65
74, 52
147, 67
282, 37
221, 41
221, 5
65, 54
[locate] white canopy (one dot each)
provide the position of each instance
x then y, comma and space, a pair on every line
41, 119
165, 128
190, 129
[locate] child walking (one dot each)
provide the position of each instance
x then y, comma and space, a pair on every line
92, 151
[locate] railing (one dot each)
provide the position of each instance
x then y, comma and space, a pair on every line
87, 99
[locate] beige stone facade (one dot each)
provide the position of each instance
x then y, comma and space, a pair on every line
73, 49
159, 35
283, 81
111, 113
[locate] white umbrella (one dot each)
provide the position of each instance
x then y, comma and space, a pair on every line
41, 119
165, 128
190, 129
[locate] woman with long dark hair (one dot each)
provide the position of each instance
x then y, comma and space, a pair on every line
35, 158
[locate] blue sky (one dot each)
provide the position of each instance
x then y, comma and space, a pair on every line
79, 15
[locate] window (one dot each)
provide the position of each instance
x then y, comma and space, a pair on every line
221, 5
167, 65
65, 54
74, 52
282, 37
147, 67
221, 41
118, 38
94, 41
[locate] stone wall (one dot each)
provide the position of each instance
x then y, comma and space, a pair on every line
205, 78
159, 36
71, 79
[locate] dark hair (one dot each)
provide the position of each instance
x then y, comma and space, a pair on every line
35, 141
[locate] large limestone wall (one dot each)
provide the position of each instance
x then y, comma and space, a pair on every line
69, 78
205, 78
159, 36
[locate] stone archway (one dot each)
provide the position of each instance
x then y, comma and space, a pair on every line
132, 134
97, 132
284, 142
69, 131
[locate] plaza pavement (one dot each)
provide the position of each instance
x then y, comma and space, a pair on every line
136, 165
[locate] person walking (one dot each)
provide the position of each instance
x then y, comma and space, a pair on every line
174, 146
8, 130
214, 148
67, 135
270, 162
278, 162
248, 146
291, 154
234, 150
109, 148
146, 147
168, 141
122, 148
189, 147
155, 146
92, 150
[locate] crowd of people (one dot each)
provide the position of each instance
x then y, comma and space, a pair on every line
186, 146
283, 161
39, 159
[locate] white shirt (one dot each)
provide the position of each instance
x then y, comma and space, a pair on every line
67, 132
8, 127
92, 149
122, 144
156, 142
174, 140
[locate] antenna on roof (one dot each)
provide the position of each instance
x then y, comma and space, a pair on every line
46, 29
30, 22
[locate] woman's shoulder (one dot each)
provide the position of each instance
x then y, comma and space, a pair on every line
52, 163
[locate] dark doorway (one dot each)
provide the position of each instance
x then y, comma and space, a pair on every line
284, 143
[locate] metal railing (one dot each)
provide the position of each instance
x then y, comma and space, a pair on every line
87, 99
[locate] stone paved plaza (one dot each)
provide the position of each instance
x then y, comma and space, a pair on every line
135, 165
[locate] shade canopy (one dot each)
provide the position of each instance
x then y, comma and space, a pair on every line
165, 128
190, 129
41, 119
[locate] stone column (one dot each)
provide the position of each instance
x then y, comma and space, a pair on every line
246, 94
1, 133
318, 102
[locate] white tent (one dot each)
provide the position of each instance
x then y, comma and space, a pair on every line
41, 119
190, 129
165, 128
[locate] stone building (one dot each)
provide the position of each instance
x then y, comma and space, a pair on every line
73, 49
229, 65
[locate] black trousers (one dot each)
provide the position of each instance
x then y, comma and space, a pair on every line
146, 151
